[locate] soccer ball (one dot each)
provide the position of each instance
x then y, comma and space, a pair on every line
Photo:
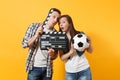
80, 41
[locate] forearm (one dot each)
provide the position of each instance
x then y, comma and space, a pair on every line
90, 49
66, 56
32, 40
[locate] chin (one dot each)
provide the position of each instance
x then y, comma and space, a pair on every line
63, 30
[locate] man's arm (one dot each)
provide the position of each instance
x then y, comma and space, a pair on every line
27, 36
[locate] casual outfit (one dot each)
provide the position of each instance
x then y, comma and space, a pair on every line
38, 61
77, 67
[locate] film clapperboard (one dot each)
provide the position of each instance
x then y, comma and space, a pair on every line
55, 40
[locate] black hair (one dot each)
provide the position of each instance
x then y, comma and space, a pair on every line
49, 14
73, 32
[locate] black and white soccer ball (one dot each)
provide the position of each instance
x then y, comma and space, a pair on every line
80, 41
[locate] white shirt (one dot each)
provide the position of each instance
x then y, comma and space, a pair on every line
41, 55
76, 63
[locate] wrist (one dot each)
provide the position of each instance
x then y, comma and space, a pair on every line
70, 52
36, 36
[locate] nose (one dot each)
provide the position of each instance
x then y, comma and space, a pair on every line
60, 25
55, 19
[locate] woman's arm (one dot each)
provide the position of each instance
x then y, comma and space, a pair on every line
90, 48
65, 56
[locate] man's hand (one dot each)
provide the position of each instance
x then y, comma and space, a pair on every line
39, 31
52, 53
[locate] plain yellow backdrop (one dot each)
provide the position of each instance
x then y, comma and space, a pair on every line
100, 19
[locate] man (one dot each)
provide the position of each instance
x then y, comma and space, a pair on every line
39, 62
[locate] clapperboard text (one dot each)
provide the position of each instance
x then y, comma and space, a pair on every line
55, 40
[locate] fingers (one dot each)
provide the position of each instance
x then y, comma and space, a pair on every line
39, 31
50, 50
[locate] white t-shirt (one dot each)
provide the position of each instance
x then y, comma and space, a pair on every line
41, 55
76, 63
41, 58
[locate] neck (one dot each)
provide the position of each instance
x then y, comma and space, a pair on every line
68, 35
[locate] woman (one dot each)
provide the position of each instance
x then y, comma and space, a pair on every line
77, 67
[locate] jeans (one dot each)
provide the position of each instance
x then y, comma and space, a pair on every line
82, 75
38, 73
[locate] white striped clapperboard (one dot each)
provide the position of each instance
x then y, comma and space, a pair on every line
55, 40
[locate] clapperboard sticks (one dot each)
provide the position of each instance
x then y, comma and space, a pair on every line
55, 40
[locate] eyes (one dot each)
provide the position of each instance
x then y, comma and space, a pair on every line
54, 16
62, 22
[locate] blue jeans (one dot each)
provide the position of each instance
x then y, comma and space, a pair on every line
38, 73
82, 75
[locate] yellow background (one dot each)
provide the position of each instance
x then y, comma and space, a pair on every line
100, 19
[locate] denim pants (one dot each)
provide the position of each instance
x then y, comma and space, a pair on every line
82, 75
38, 73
